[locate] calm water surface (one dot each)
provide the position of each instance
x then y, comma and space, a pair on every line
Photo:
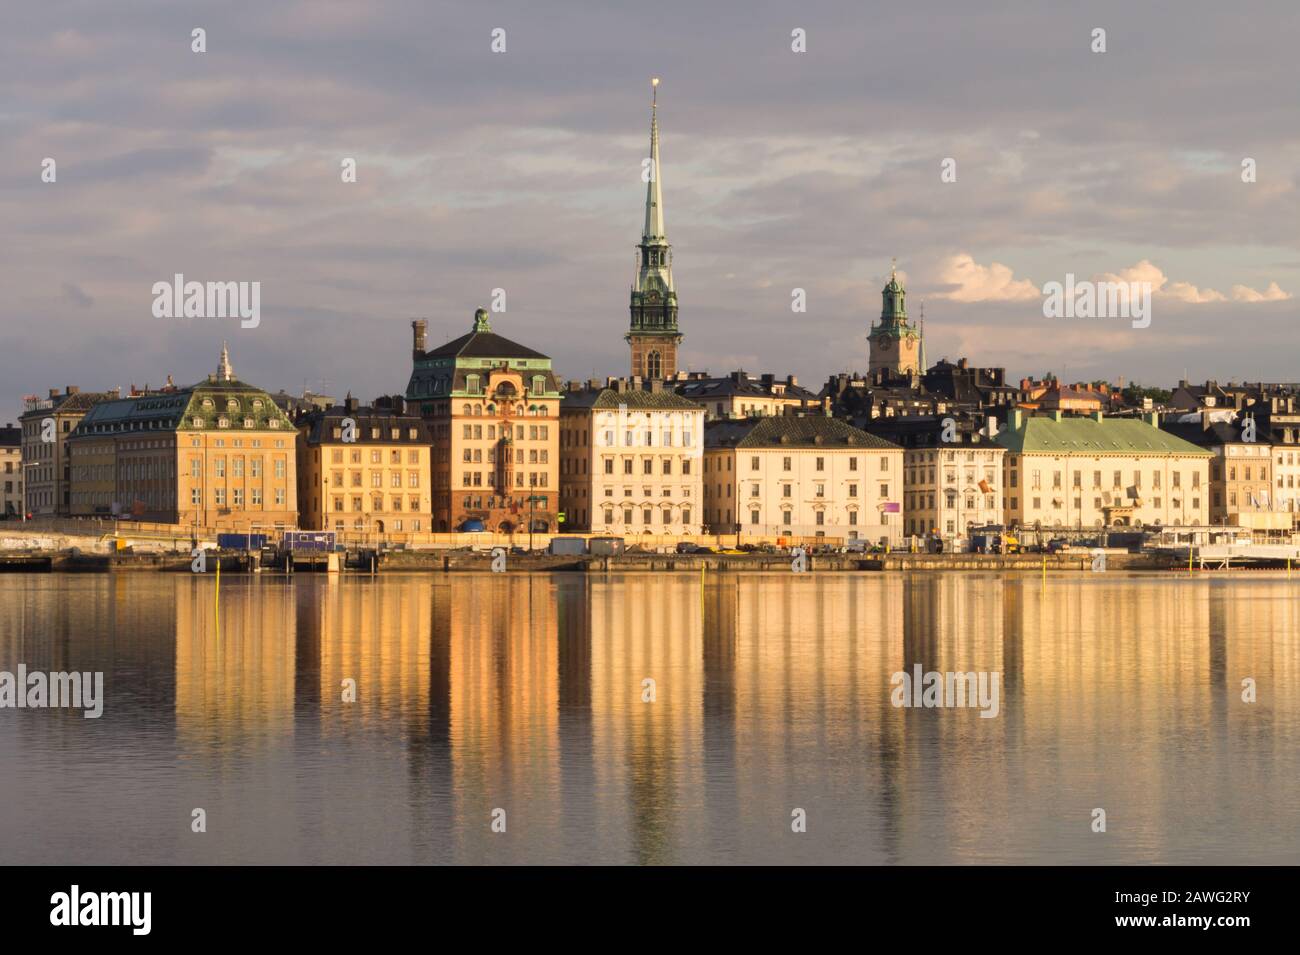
524, 692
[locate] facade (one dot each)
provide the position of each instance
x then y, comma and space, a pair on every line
492, 409
801, 476
218, 454
896, 345
46, 425
1085, 472
631, 460
740, 394
952, 472
1242, 492
11, 471
364, 469
653, 335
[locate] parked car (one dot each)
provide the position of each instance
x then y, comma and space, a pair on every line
1057, 545
686, 547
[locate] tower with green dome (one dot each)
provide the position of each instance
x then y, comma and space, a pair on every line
895, 342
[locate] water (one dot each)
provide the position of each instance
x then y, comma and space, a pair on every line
478, 692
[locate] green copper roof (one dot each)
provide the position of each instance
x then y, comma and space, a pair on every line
1040, 435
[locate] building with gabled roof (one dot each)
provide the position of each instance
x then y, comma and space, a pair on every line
492, 409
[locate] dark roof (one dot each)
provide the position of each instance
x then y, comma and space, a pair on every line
741, 384
483, 345
11, 436
319, 426
636, 399
792, 431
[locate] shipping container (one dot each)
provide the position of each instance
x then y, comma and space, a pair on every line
568, 546
309, 540
241, 541
606, 546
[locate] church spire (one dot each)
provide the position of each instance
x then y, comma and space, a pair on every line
654, 195
653, 334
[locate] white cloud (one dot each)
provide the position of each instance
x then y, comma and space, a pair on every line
1244, 293
1146, 271
980, 283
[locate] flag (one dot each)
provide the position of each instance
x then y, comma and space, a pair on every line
984, 486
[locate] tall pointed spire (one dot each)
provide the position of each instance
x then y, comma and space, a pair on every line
654, 195
653, 334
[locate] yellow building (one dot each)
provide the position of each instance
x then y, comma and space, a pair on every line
631, 460
218, 454
364, 469
801, 476
492, 407
1099, 472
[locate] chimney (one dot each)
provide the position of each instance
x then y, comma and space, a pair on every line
1017, 418
768, 381
71, 389
351, 403
1205, 419
656, 386
791, 381
1152, 418
54, 392
420, 334
1099, 416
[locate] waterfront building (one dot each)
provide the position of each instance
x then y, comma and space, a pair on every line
364, 469
740, 394
492, 409
631, 459
1242, 491
217, 454
46, 426
952, 472
801, 475
653, 334
11, 471
1096, 471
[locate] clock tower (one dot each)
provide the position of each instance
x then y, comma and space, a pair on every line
653, 336
895, 343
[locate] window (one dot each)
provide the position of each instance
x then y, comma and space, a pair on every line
627, 465
753, 517
647, 466
668, 465
753, 463
785, 464
853, 463
821, 464
821, 518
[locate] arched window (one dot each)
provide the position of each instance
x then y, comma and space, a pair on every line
653, 365
478, 409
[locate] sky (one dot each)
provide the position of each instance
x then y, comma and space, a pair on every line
521, 170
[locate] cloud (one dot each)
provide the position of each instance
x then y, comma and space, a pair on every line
978, 283
1244, 293
1146, 271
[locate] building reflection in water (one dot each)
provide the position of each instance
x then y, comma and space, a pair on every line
477, 692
